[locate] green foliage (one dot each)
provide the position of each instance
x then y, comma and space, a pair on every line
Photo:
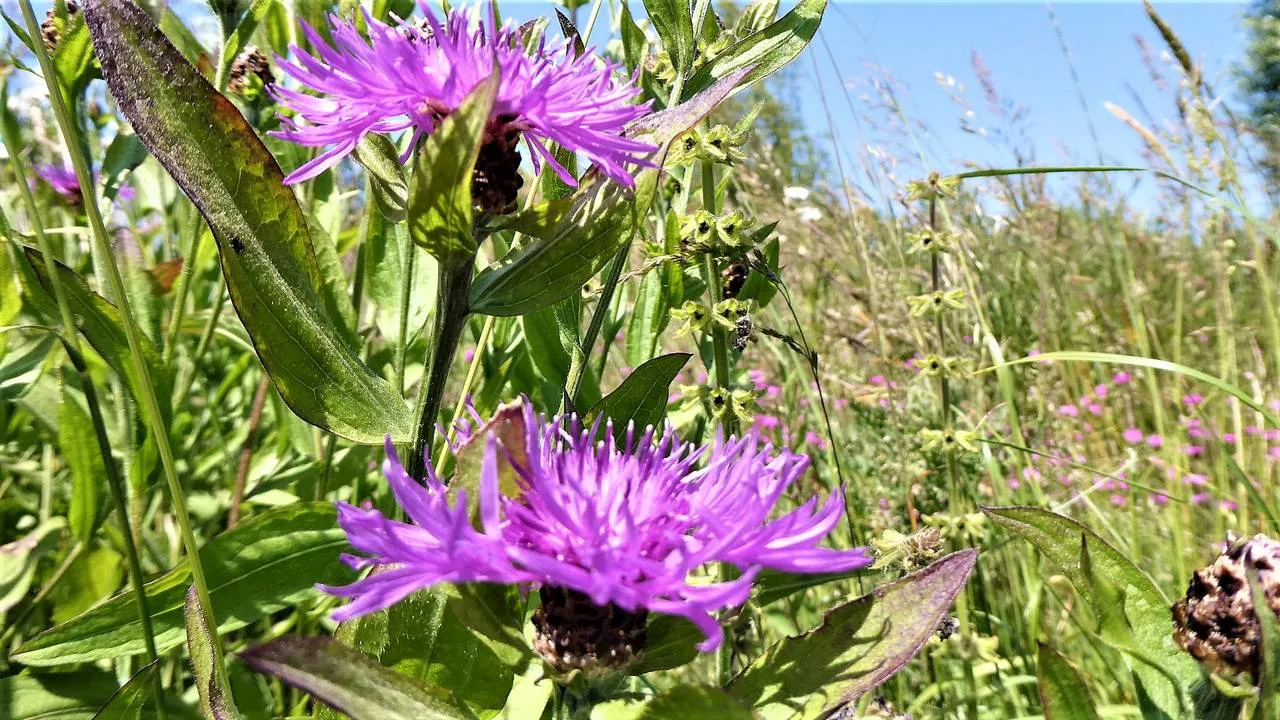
267, 255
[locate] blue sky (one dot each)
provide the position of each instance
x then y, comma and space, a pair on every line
911, 42
1018, 44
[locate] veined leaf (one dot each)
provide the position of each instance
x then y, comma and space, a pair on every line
62, 696
1133, 613
423, 638
1063, 693
766, 51
440, 215
673, 20
130, 700
858, 646
271, 561
390, 190
641, 399
79, 447
267, 256
99, 322
348, 680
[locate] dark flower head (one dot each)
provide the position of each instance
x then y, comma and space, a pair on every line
633, 526
411, 77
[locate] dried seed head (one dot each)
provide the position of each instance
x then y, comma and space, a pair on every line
49, 29
1216, 621
574, 633
250, 73
735, 276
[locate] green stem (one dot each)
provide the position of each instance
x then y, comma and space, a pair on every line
450, 319
720, 349
71, 133
578, 362
406, 292
459, 407
180, 295
72, 340
206, 338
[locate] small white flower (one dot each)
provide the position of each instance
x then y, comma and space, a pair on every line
795, 194
808, 213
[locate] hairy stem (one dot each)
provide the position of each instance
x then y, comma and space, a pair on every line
450, 319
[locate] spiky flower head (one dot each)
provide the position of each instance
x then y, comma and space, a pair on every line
413, 76
628, 527
1216, 620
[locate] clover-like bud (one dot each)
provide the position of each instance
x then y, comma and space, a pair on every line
928, 240
723, 235
1216, 620
933, 187
949, 439
719, 144
936, 302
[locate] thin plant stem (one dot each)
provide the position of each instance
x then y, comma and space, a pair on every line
472, 371
206, 339
72, 136
71, 339
578, 361
180, 296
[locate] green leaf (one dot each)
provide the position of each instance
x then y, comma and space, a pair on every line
94, 575
129, 700
604, 215
263, 239
73, 57
423, 638
634, 41
695, 701
216, 702
440, 217
756, 16
773, 585
349, 681
63, 696
1269, 640
390, 256
123, 156
99, 321
673, 21
18, 560
538, 221
79, 448
1133, 613
386, 176
766, 51
530, 693
672, 643
1238, 393
640, 401
270, 562
1063, 693
858, 646
650, 314
239, 38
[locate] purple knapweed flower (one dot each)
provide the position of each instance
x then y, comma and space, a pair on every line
627, 527
1155, 441
1133, 435
1121, 378
62, 180
412, 77
1192, 400
1068, 411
